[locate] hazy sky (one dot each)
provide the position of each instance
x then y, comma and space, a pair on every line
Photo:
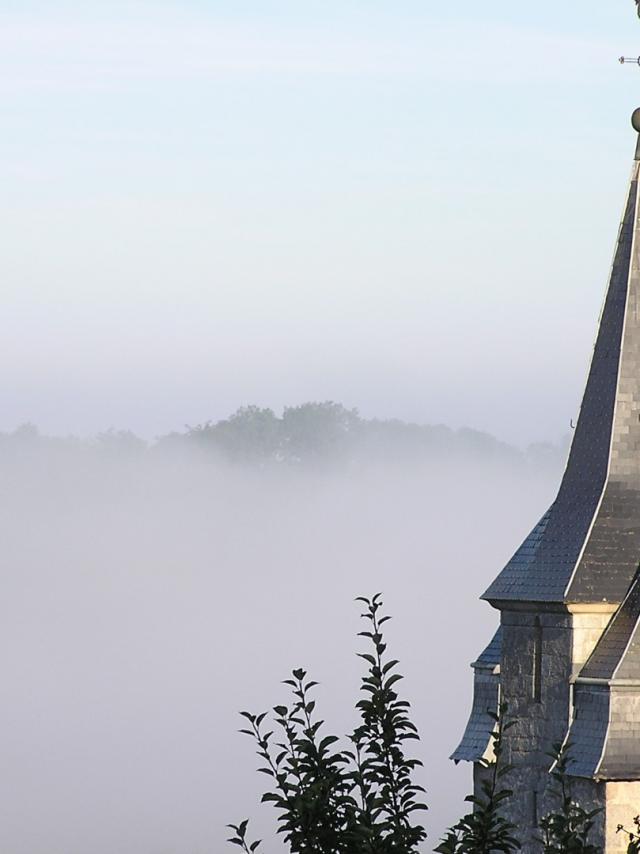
406, 206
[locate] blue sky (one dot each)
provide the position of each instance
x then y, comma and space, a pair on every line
409, 207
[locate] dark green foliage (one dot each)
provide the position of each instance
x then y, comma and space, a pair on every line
332, 800
485, 830
311, 790
240, 837
388, 796
567, 830
633, 836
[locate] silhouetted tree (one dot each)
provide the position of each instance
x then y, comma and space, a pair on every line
486, 830
633, 836
566, 830
355, 799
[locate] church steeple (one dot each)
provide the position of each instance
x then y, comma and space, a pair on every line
587, 546
566, 658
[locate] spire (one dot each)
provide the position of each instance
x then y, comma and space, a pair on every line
587, 546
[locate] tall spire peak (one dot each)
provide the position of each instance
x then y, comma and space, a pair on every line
587, 547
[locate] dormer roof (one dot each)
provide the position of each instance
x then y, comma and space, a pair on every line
604, 733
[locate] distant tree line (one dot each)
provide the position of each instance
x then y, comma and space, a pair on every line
325, 433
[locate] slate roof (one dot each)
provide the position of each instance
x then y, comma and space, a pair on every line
605, 732
588, 730
586, 547
510, 581
617, 654
476, 741
621, 755
490, 656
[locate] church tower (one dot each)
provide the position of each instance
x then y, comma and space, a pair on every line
566, 657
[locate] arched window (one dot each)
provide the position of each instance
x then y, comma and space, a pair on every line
536, 681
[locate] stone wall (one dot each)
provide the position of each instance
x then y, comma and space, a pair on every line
542, 717
622, 803
620, 757
541, 652
591, 795
588, 627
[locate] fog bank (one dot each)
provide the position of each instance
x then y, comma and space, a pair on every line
149, 594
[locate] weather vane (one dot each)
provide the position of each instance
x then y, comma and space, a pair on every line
625, 60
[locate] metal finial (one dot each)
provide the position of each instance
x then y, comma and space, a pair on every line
635, 123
